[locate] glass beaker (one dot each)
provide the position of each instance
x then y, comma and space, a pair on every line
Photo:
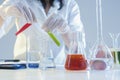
101, 58
76, 58
39, 52
115, 49
47, 58
34, 50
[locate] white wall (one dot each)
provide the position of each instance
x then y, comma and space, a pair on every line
111, 23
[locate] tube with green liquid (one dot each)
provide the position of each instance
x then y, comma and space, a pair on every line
52, 36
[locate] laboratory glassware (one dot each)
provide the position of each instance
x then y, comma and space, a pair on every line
101, 58
47, 57
76, 58
115, 49
33, 51
39, 52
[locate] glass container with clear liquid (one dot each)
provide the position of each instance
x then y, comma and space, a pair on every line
76, 59
101, 58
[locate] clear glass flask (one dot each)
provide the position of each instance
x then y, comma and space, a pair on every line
47, 58
33, 51
76, 58
39, 52
101, 58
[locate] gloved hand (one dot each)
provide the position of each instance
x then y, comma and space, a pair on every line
25, 11
55, 21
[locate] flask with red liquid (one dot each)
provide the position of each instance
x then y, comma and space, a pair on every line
76, 59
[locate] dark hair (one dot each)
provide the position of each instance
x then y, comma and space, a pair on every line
51, 3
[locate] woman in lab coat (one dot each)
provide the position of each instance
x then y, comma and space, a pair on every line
58, 16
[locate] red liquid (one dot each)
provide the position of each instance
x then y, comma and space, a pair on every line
23, 28
75, 62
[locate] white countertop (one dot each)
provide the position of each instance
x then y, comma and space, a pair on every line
58, 74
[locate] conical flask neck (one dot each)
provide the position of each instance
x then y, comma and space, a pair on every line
76, 43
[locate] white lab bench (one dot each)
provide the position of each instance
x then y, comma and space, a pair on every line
58, 74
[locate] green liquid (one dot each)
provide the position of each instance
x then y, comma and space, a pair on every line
54, 38
116, 56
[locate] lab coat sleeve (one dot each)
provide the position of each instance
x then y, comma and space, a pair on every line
8, 21
5, 8
74, 21
6, 26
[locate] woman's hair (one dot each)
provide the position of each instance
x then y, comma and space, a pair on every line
51, 3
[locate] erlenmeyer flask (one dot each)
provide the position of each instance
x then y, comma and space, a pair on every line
101, 58
115, 49
47, 58
76, 58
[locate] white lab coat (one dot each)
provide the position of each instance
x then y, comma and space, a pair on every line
70, 12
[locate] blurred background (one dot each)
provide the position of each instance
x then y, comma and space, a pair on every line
111, 24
